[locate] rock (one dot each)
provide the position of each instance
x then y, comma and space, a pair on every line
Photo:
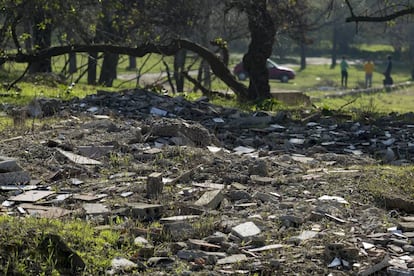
236, 195
144, 211
15, 177
95, 209
259, 167
120, 264
154, 185
246, 230
160, 261
237, 258
210, 199
179, 230
399, 203
8, 165
406, 226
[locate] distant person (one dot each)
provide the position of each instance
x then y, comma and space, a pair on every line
388, 79
369, 70
344, 73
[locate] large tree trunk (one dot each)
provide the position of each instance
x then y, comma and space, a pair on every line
132, 63
108, 71
262, 32
42, 39
92, 63
302, 56
334, 45
179, 68
73, 67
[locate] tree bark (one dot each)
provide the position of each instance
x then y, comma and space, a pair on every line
179, 68
132, 63
262, 30
92, 63
73, 67
302, 56
108, 70
42, 39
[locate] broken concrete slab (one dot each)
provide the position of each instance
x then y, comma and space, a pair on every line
144, 211
45, 211
154, 185
95, 209
178, 218
246, 230
95, 151
267, 248
78, 159
210, 199
31, 196
8, 165
13, 178
237, 258
406, 226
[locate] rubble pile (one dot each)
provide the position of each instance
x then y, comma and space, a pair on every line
234, 192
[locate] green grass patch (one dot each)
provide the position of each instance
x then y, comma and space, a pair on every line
20, 239
384, 181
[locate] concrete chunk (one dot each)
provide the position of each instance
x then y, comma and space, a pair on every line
9, 166
144, 211
154, 185
232, 259
12, 178
78, 159
210, 199
95, 209
246, 230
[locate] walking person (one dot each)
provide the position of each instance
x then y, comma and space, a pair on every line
369, 70
388, 79
344, 73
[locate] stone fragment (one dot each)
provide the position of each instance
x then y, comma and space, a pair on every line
237, 258
95, 209
406, 226
144, 211
246, 230
8, 165
259, 167
31, 196
210, 199
13, 178
266, 197
235, 195
376, 268
267, 248
179, 230
178, 218
159, 261
79, 159
95, 151
291, 220
120, 264
203, 245
260, 180
154, 185
44, 211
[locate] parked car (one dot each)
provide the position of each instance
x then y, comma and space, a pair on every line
276, 72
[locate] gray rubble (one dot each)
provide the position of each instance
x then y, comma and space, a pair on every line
249, 192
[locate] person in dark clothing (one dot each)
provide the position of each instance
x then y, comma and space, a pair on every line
388, 79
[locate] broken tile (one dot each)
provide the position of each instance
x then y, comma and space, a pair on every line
78, 159
154, 185
31, 196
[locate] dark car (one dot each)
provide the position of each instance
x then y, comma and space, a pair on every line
276, 72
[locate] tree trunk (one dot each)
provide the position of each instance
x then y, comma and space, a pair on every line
108, 71
132, 63
92, 63
302, 56
262, 32
179, 68
73, 68
42, 39
334, 45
